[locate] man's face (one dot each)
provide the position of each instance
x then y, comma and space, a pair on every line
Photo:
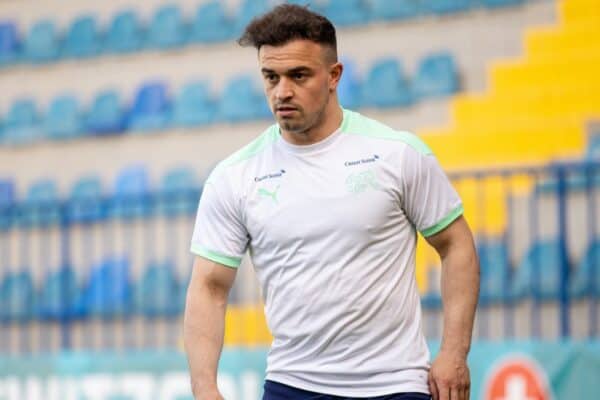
298, 81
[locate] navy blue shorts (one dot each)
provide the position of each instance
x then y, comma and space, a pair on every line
279, 391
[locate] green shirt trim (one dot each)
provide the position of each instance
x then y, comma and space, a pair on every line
443, 224
228, 261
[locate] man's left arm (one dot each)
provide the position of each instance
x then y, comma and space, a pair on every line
449, 375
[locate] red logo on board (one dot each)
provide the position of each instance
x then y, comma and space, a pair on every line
517, 377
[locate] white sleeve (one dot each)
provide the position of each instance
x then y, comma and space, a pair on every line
219, 234
429, 200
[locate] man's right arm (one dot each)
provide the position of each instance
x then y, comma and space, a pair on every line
204, 324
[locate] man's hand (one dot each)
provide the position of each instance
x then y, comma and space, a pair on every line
449, 377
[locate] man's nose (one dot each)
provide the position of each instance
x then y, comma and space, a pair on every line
284, 90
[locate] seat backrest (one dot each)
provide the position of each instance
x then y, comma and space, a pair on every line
125, 32
17, 296
41, 42
7, 193
106, 104
42, 191
179, 179
88, 187
348, 12
151, 98
385, 9
132, 180
167, 27
82, 37
22, 112
9, 38
349, 87
248, 10
63, 107
540, 268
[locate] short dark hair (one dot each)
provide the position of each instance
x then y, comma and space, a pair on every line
287, 22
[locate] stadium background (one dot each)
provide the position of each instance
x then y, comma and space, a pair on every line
112, 113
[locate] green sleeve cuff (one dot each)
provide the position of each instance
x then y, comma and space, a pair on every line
228, 261
447, 220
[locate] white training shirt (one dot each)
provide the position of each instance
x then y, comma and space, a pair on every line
331, 229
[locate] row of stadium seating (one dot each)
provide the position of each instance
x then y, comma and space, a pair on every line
385, 85
169, 29
109, 291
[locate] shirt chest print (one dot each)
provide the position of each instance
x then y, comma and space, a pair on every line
359, 182
272, 194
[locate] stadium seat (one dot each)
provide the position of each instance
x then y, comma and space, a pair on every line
151, 108
59, 296
386, 86
242, 101
125, 34
397, 9
41, 207
9, 43
179, 193
131, 197
17, 297
349, 87
7, 202
211, 24
246, 12
437, 76
22, 124
538, 274
585, 280
63, 119
501, 3
194, 106
107, 293
82, 39
167, 29
105, 116
85, 204
495, 268
42, 43
347, 12
448, 6
156, 293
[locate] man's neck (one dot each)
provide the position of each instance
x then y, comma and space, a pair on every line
333, 120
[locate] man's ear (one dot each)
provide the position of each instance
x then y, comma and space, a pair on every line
335, 74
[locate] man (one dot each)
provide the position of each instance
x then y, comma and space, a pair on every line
328, 203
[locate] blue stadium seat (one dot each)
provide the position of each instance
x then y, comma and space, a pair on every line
593, 147
42, 43
585, 281
167, 29
85, 202
348, 12
63, 119
179, 193
542, 261
151, 109
59, 296
246, 12
7, 203
242, 101
437, 76
501, 3
41, 207
397, 9
9, 43
448, 6
105, 116
314, 5
107, 293
131, 195
495, 270
386, 85
17, 297
83, 39
125, 34
211, 24
22, 123
194, 106
156, 293
349, 89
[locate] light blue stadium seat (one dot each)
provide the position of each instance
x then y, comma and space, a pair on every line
7, 203
9, 43
248, 10
348, 12
22, 124
167, 29
125, 34
131, 197
63, 119
107, 293
179, 193
396, 9
585, 280
242, 101
151, 109
59, 296
194, 106
349, 89
83, 39
437, 76
501, 3
17, 297
448, 6
42, 43
41, 207
85, 204
211, 24
538, 274
386, 85
495, 270
156, 293
105, 115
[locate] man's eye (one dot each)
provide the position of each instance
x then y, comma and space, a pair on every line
299, 76
271, 78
